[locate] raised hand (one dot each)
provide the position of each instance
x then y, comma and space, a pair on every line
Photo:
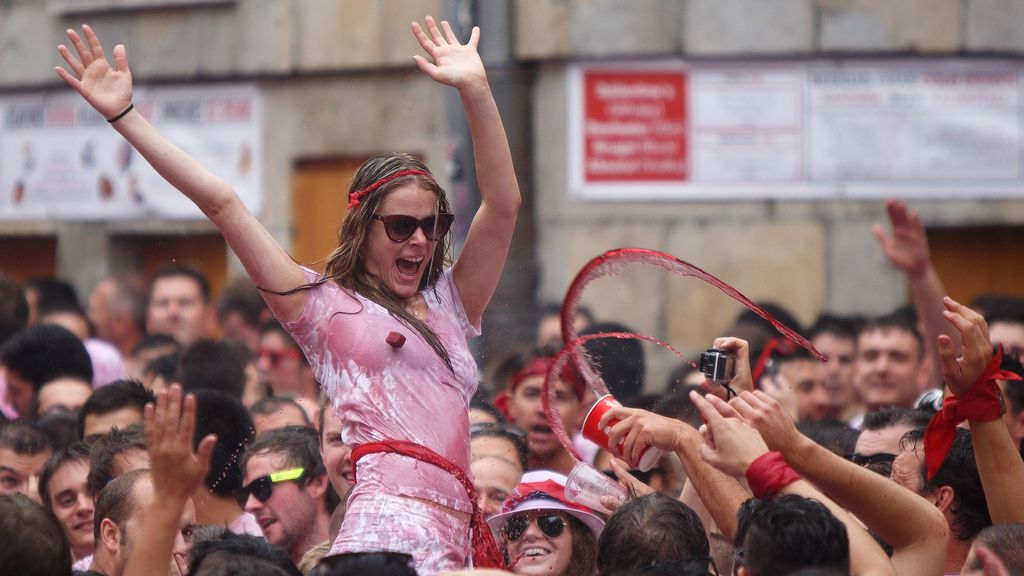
768, 417
730, 443
177, 471
454, 64
907, 247
960, 372
742, 380
108, 90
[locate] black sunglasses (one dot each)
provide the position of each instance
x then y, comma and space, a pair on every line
400, 227
879, 463
550, 525
263, 487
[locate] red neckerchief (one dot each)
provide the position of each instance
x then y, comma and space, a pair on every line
983, 402
768, 474
485, 551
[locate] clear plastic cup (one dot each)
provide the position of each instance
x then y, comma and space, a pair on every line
586, 485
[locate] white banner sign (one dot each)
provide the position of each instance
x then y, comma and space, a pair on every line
812, 129
60, 160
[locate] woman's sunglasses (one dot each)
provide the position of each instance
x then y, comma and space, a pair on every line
263, 487
550, 525
400, 227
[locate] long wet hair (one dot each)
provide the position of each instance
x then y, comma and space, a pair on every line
346, 265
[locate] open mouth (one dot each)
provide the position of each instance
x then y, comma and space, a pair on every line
409, 267
534, 552
265, 522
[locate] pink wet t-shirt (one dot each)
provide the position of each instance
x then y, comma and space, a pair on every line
382, 392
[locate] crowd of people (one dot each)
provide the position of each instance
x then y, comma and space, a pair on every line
334, 423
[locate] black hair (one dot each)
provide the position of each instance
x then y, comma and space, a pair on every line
776, 311
209, 364
103, 451
360, 563
13, 308
44, 352
620, 361
183, 272
34, 543
78, 452
53, 293
677, 405
164, 366
231, 554
112, 397
1007, 542
649, 529
116, 501
841, 326
224, 415
480, 401
793, 532
274, 404
895, 416
831, 434
510, 432
151, 341
506, 368
23, 438
240, 295
300, 445
60, 428
1013, 389
959, 471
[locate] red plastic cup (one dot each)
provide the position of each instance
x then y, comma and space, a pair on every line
592, 432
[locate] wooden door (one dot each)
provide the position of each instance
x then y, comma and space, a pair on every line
24, 257
319, 202
974, 261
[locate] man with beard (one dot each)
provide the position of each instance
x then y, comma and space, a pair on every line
287, 490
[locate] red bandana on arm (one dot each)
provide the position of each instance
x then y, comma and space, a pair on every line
768, 474
983, 402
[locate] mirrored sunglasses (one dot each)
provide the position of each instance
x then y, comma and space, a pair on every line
400, 227
550, 525
263, 487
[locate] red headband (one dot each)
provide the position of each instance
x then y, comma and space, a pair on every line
539, 367
356, 196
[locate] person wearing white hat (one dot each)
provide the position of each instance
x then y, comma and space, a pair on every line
540, 531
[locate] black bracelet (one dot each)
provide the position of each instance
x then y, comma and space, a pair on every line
121, 115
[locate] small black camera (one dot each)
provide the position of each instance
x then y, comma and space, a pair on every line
718, 366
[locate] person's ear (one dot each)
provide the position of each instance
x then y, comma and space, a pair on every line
317, 487
110, 536
944, 498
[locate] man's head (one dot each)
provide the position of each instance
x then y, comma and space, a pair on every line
212, 365
494, 479
118, 452
891, 366
336, 455
1013, 392
62, 488
240, 312
287, 488
23, 451
33, 542
38, 355
1006, 541
179, 305
956, 488
116, 405
277, 412
117, 310
806, 375
524, 405
792, 532
230, 553
62, 394
120, 513
1006, 326
881, 435
148, 349
619, 361
281, 364
650, 529
221, 414
836, 338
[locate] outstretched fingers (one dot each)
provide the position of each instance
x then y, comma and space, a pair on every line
95, 48
435, 33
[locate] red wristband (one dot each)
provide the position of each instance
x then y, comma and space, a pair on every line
768, 474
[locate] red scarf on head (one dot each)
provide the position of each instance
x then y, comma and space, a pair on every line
983, 402
485, 550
